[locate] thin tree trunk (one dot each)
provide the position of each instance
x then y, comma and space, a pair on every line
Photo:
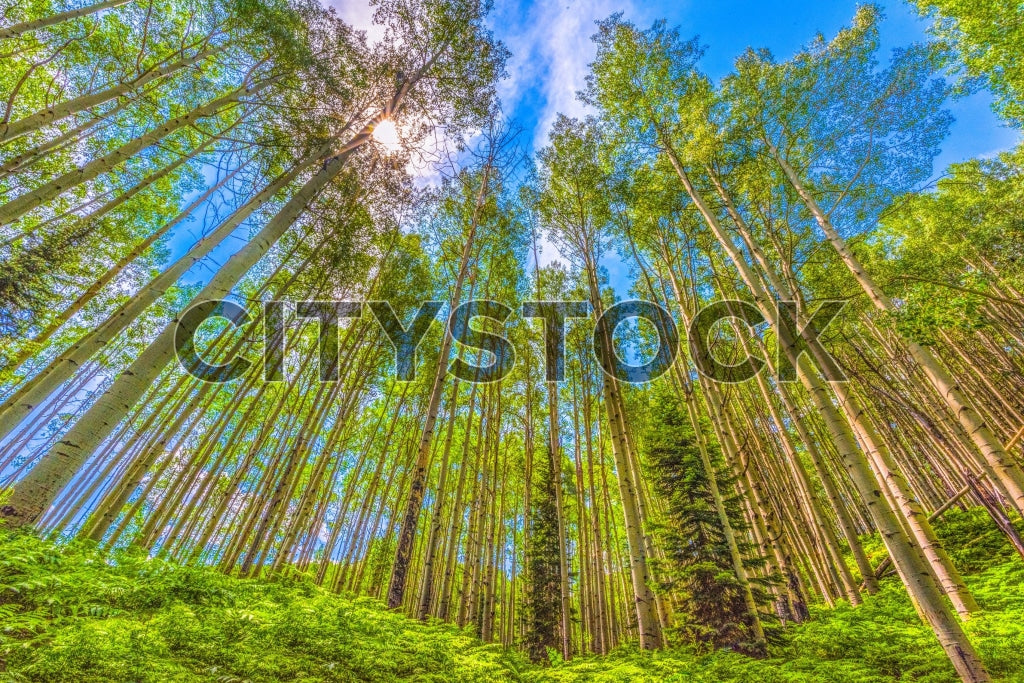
1008, 472
57, 112
36, 24
28, 201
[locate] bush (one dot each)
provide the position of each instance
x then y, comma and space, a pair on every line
70, 613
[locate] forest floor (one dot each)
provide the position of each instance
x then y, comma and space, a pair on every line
70, 613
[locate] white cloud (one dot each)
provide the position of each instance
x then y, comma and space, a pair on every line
359, 14
550, 44
551, 52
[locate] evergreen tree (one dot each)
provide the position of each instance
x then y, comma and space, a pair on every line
697, 565
542, 562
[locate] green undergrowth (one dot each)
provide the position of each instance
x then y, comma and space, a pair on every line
70, 613
879, 641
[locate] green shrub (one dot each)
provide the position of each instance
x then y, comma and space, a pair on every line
972, 539
69, 613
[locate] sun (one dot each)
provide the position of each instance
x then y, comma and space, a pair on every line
386, 134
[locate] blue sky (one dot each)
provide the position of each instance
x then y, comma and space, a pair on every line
551, 49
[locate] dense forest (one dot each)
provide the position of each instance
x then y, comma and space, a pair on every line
288, 393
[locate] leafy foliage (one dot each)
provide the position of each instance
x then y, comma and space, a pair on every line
882, 640
984, 41
71, 614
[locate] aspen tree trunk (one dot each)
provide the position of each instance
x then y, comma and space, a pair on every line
1009, 474
62, 110
295, 461
601, 607
180, 497
509, 613
641, 487
612, 543
914, 515
53, 406
35, 492
906, 556
68, 506
244, 520
495, 598
643, 597
586, 581
303, 444
264, 539
306, 554
996, 511
16, 30
67, 138
472, 546
174, 491
914, 571
23, 203
486, 619
410, 520
985, 378
475, 595
769, 527
896, 488
528, 453
427, 588
378, 575
182, 538
458, 512
948, 434
800, 476
190, 490
806, 520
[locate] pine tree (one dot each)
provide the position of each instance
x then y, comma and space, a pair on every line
697, 564
544, 608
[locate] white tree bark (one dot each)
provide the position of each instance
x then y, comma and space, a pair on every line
26, 26
9, 131
35, 492
28, 201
